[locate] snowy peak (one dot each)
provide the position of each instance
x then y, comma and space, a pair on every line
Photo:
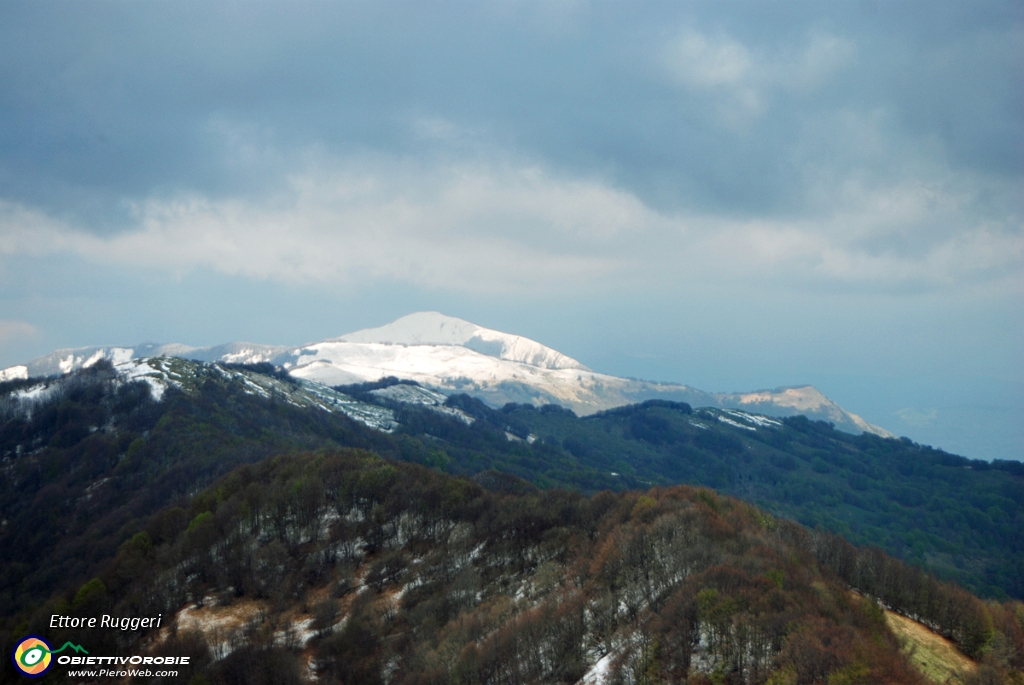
421, 328
434, 328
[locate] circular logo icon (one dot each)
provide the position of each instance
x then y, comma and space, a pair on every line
32, 656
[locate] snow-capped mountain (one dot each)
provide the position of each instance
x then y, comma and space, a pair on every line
451, 355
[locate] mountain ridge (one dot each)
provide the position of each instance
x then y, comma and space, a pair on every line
455, 356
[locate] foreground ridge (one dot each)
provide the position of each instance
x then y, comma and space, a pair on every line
387, 571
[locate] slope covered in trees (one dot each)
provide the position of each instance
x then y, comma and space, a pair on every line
399, 574
962, 519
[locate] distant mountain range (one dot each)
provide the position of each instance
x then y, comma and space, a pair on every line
455, 356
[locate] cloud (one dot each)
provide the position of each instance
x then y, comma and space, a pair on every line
703, 61
462, 227
744, 78
490, 227
132, 101
16, 330
823, 56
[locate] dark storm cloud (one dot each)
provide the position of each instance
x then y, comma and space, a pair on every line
107, 100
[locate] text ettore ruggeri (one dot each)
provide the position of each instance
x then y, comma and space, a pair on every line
106, 621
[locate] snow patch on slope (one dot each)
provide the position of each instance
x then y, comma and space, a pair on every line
600, 673
34, 393
14, 373
415, 394
142, 370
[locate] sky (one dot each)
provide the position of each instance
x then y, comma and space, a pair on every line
735, 196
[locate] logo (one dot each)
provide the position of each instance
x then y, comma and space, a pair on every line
33, 655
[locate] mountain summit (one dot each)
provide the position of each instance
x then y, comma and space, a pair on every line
434, 328
455, 356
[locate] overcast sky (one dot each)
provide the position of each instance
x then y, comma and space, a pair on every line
734, 195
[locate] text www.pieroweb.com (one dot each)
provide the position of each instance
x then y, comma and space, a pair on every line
128, 673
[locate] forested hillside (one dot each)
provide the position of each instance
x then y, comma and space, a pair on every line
353, 569
962, 519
